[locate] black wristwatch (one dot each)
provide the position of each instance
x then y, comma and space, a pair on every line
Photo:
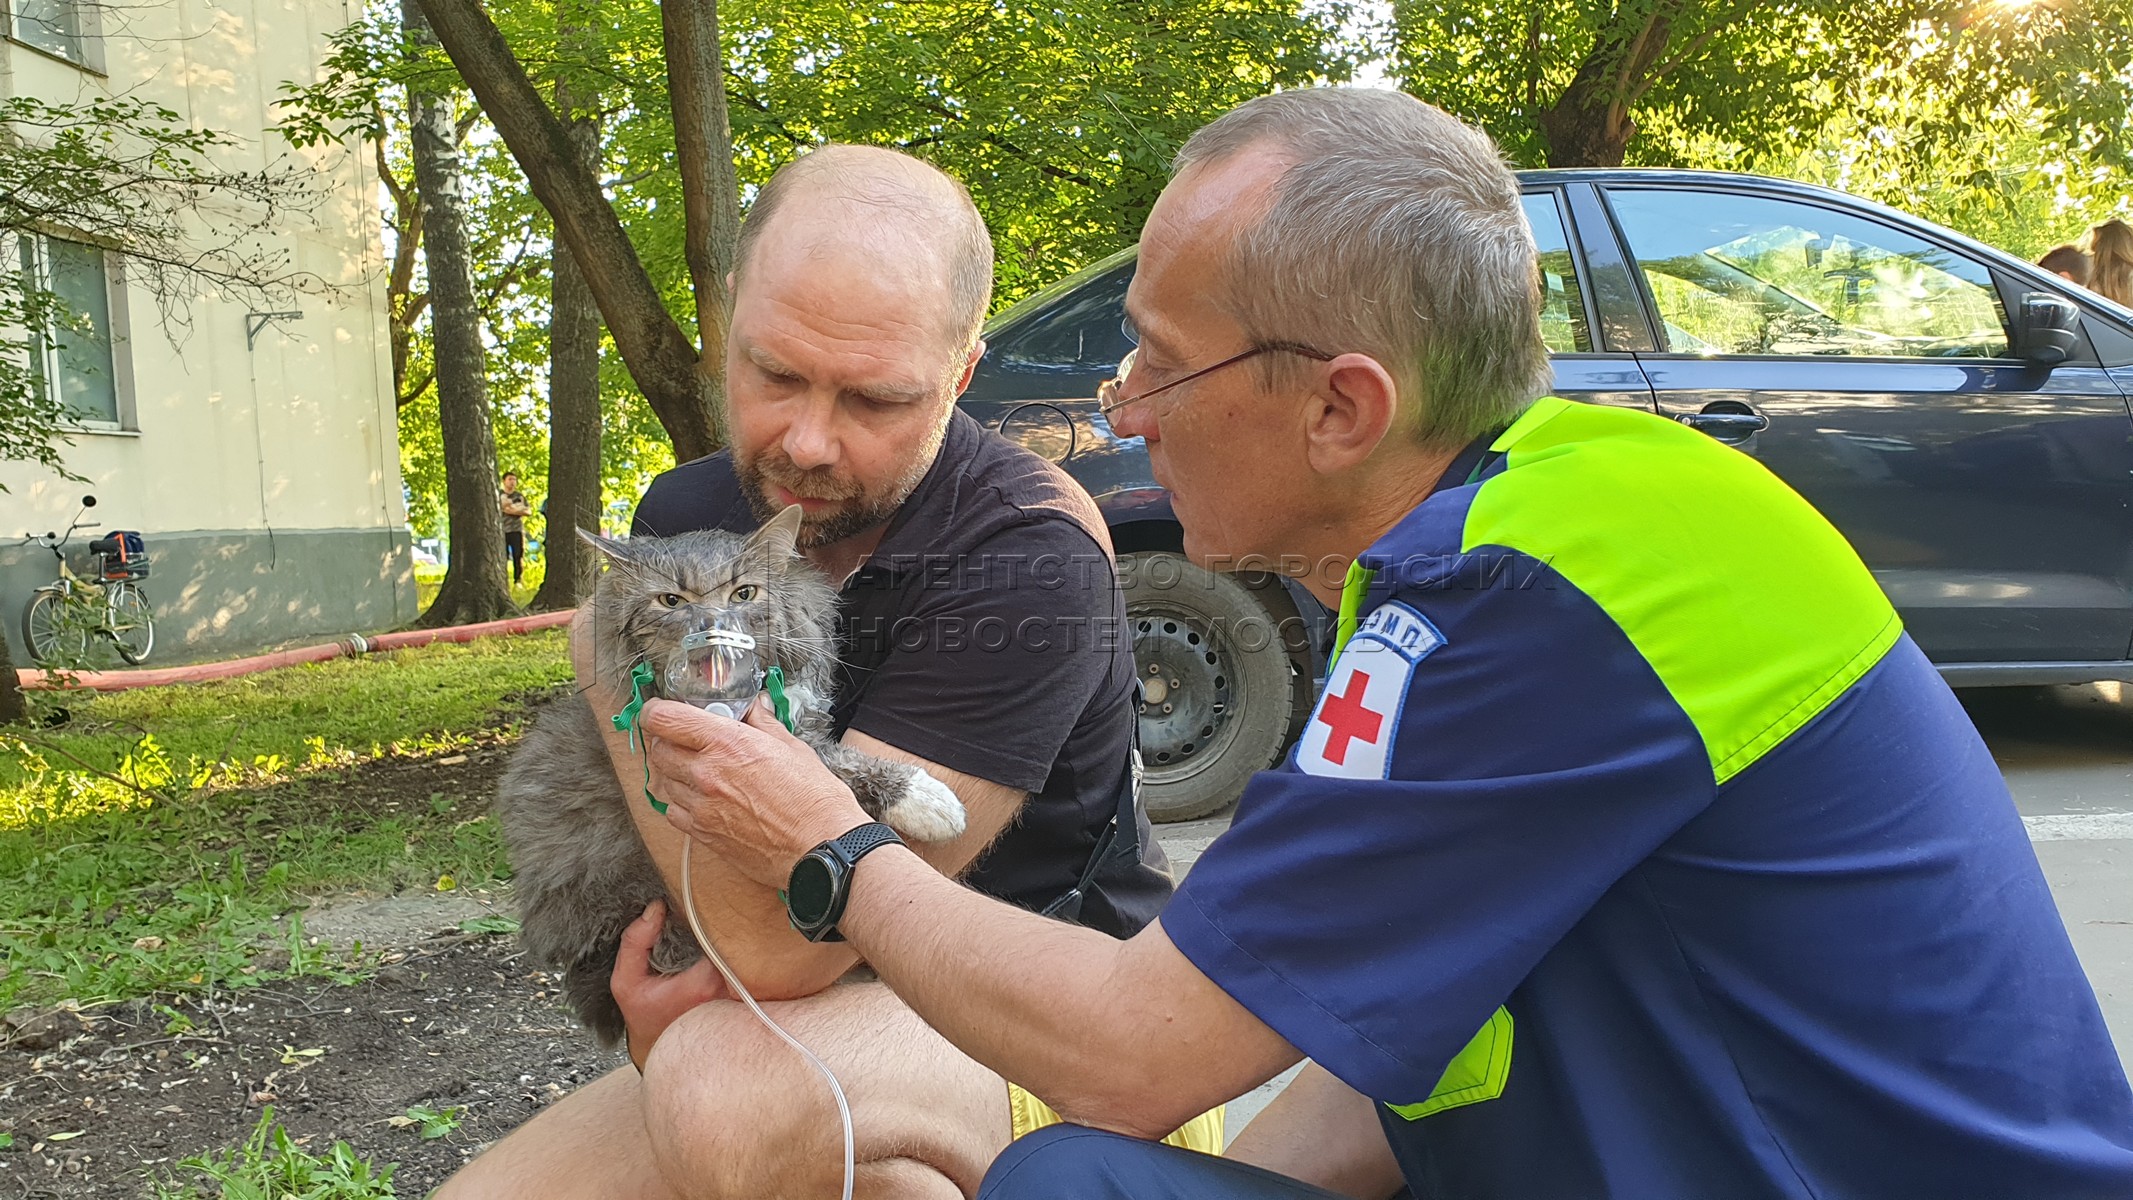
822, 880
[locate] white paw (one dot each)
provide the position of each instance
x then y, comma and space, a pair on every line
927, 811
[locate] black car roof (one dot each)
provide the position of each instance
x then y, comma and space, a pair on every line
1728, 180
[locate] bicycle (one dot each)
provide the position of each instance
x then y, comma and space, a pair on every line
63, 615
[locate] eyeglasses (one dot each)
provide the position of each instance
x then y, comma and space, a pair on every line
1125, 368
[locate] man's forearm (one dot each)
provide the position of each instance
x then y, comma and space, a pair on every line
746, 922
1067, 1012
1322, 1132
1126, 1035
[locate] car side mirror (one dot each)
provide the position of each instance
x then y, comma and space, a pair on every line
2050, 328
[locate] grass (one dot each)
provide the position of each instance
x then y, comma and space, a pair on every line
276, 719
271, 1165
429, 579
157, 840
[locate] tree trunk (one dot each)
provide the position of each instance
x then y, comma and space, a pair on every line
476, 586
703, 149
1586, 135
1590, 125
13, 707
659, 355
573, 370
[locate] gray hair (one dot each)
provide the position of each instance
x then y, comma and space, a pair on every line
1397, 232
931, 203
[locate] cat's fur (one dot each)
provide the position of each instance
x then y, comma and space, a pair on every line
579, 869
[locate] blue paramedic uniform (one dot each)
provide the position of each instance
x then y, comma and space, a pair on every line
1628, 765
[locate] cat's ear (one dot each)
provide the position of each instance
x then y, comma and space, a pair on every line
781, 536
619, 552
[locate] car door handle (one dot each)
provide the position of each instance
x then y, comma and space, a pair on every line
1729, 426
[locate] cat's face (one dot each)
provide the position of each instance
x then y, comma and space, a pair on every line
657, 591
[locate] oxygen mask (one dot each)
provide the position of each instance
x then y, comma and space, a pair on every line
717, 668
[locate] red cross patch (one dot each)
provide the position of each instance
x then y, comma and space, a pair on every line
1351, 733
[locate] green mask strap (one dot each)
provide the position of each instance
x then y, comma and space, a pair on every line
641, 690
774, 683
626, 722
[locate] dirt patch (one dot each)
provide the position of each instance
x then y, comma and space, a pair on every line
398, 920
461, 1022
386, 786
100, 1102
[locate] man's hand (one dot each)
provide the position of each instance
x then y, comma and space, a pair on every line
748, 791
649, 1000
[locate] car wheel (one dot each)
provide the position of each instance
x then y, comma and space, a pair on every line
1295, 642
1217, 688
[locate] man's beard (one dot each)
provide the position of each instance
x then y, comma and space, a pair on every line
856, 510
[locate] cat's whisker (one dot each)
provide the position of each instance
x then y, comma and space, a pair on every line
812, 653
817, 646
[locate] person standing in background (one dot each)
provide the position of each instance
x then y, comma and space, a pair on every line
2067, 261
516, 510
2110, 250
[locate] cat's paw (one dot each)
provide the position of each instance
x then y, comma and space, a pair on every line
927, 811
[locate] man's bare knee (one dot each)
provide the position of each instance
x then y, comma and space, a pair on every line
732, 1111
543, 1159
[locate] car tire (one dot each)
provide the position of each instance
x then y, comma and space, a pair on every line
1280, 607
1218, 690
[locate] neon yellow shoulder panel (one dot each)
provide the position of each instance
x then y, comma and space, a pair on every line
1752, 610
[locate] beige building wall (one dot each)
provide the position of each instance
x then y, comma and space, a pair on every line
258, 455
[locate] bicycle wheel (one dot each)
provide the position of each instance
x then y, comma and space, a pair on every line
129, 621
55, 633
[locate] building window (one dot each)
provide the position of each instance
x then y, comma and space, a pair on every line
72, 362
60, 27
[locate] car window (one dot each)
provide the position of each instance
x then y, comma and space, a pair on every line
1733, 274
1081, 333
1562, 305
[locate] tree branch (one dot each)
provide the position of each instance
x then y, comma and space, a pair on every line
703, 148
393, 187
414, 392
756, 102
657, 353
1533, 58
1000, 143
1675, 61
1633, 55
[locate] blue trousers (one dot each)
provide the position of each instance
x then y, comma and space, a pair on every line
1071, 1162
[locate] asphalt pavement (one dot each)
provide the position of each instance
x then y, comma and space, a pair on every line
2067, 753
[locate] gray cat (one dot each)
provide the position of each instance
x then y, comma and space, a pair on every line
580, 871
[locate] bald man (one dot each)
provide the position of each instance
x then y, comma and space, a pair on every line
981, 638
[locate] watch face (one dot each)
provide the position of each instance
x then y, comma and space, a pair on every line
809, 892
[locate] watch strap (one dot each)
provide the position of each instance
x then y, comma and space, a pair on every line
864, 840
845, 852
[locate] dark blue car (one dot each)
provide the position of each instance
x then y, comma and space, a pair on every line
1960, 414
